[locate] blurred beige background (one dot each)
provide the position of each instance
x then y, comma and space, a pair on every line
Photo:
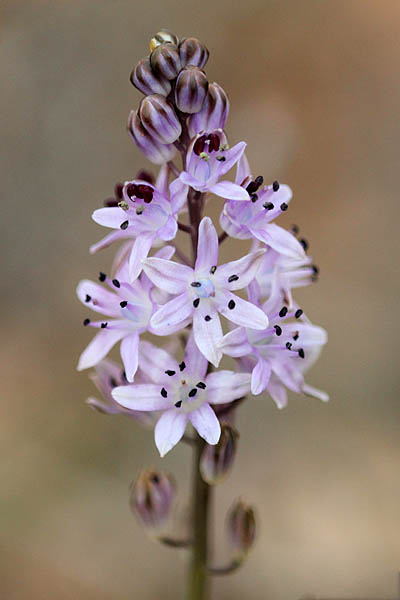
315, 90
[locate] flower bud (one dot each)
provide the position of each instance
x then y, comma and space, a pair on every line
217, 460
193, 52
144, 79
151, 497
191, 90
152, 149
165, 61
241, 528
159, 118
163, 37
214, 112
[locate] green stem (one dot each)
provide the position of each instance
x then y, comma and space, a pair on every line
197, 580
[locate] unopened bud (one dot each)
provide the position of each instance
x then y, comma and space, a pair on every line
159, 118
214, 112
193, 52
163, 37
165, 61
147, 82
151, 497
191, 90
241, 528
216, 461
155, 151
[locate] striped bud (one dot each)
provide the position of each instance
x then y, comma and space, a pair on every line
163, 37
151, 497
214, 112
159, 118
216, 461
241, 525
153, 150
191, 90
193, 52
165, 61
144, 79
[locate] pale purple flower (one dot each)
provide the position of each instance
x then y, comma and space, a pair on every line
203, 292
183, 391
208, 158
147, 213
278, 355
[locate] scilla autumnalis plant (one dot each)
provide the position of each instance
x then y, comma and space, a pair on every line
196, 309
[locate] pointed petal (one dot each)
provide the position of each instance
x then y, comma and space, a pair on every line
308, 390
243, 172
169, 430
226, 386
140, 251
244, 313
188, 179
205, 421
112, 216
178, 191
162, 180
196, 363
172, 316
229, 191
114, 236
168, 275
260, 376
207, 247
168, 231
245, 270
207, 333
101, 300
129, 354
99, 347
140, 396
280, 240
231, 158
154, 361
235, 343
278, 392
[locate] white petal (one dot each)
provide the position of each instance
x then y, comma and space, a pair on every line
169, 430
243, 313
207, 333
168, 275
173, 315
226, 386
140, 396
129, 355
155, 361
235, 343
205, 422
207, 247
260, 376
245, 269
99, 347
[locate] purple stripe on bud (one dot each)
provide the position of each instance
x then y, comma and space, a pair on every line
152, 149
191, 90
163, 37
165, 61
151, 497
193, 52
145, 80
214, 112
241, 524
159, 119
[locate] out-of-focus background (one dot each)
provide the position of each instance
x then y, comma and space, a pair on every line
315, 91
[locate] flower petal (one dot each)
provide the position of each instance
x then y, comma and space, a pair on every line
188, 179
168, 275
231, 158
205, 421
226, 386
140, 396
308, 390
260, 376
154, 361
106, 241
229, 191
140, 251
111, 216
169, 430
101, 300
280, 240
99, 347
278, 392
196, 363
172, 316
168, 230
243, 313
207, 331
207, 247
129, 354
235, 343
178, 191
245, 270
243, 173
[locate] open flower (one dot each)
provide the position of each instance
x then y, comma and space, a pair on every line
278, 355
183, 392
203, 292
209, 158
147, 213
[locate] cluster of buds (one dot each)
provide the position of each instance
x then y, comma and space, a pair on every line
154, 288
177, 96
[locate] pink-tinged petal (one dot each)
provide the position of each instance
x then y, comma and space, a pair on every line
226, 386
280, 240
169, 430
114, 236
140, 251
99, 347
188, 179
245, 269
98, 298
168, 275
309, 335
278, 392
207, 247
178, 191
231, 158
196, 363
229, 191
205, 422
308, 390
154, 361
172, 315
289, 374
241, 312
243, 173
112, 217
260, 376
168, 231
129, 354
235, 343
162, 180
207, 331
254, 293
140, 396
